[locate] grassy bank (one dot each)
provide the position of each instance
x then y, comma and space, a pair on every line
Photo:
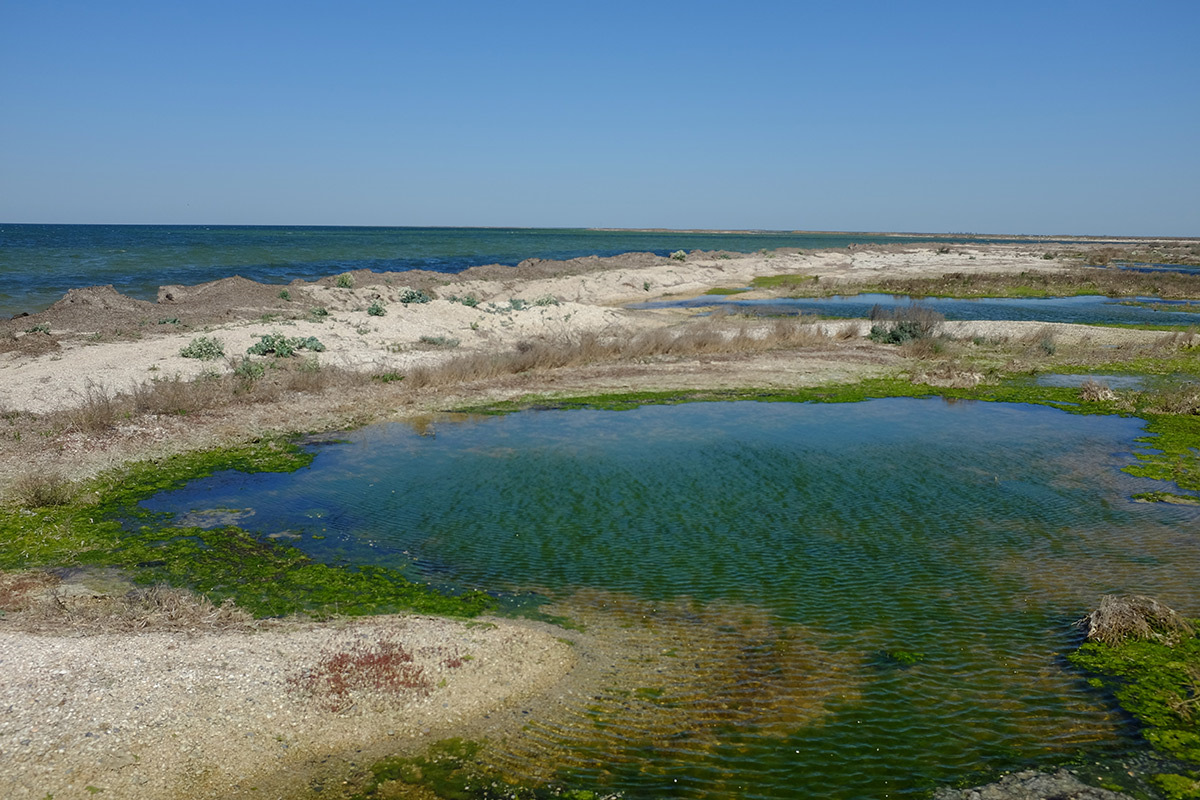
99, 524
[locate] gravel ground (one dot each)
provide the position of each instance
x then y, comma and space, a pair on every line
164, 715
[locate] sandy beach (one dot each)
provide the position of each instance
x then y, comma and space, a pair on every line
219, 708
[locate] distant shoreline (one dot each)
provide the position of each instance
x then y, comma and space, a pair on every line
1011, 237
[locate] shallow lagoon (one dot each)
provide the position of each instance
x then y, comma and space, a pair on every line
1083, 309
863, 600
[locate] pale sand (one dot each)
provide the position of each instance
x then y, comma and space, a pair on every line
210, 715
355, 339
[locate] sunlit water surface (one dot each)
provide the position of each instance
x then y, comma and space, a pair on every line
764, 572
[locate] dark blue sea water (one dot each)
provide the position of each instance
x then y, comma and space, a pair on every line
39, 263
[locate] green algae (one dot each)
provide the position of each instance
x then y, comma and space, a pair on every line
1175, 456
450, 769
1158, 683
103, 526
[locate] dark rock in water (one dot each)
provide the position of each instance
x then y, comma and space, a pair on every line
1030, 785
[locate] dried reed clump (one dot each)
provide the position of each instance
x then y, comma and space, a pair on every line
1182, 398
710, 337
42, 490
157, 608
948, 375
383, 671
1120, 618
98, 411
1094, 391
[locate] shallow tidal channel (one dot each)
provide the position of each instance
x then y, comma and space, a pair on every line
854, 600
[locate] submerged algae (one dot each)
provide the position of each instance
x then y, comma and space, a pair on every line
265, 577
450, 769
1174, 439
1159, 684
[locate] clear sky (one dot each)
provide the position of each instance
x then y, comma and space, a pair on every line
994, 117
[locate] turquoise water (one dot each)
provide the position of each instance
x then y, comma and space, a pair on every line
39, 263
761, 570
1088, 309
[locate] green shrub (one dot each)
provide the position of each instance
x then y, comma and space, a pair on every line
904, 325
345, 281
249, 370
439, 341
470, 300
546, 300
41, 327
284, 294
282, 346
376, 309
320, 312
204, 348
413, 296
679, 255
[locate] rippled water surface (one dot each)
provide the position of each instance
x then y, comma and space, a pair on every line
846, 601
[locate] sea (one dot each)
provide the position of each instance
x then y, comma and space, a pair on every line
40, 263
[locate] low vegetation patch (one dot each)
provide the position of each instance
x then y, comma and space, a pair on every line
716, 335
43, 490
284, 347
382, 672
407, 296
205, 348
1149, 658
903, 325
439, 341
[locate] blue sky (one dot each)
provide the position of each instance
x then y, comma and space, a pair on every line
1014, 117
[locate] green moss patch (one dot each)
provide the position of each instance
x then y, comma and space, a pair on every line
103, 526
1159, 684
1176, 451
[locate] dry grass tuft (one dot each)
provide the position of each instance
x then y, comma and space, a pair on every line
42, 490
1094, 391
1134, 616
98, 412
707, 337
157, 608
1182, 399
